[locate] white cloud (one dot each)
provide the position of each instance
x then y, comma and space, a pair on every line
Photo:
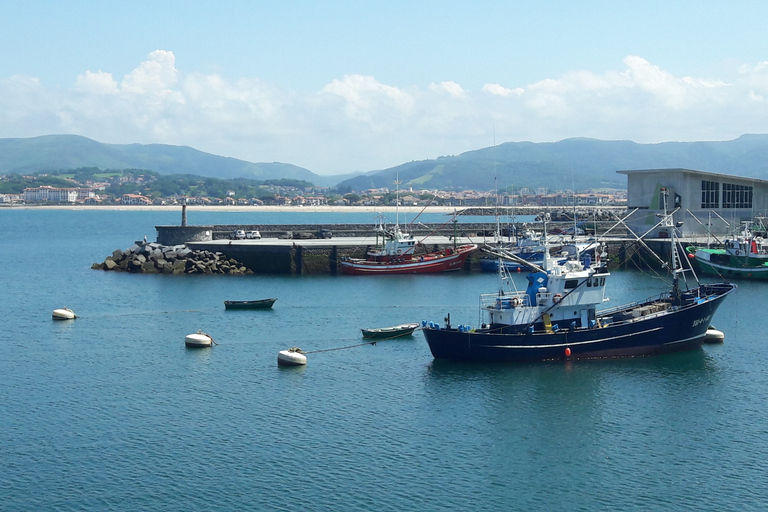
359, 123
154, 76
451, 88
96, 83
364, 97
499, 90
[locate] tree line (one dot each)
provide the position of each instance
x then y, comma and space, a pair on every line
150, 183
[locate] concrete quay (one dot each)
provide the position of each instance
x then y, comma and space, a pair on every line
307, 256
321, 256
274, 253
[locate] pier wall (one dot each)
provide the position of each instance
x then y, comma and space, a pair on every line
173, 235
298, 258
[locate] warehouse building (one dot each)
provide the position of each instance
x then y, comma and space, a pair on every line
719, 203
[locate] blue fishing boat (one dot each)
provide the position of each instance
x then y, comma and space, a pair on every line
516, 260
556, 317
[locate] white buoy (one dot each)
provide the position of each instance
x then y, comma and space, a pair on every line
198, 340
292, 357
714, 336
64, 314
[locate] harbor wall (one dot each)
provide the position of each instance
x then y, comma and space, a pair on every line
265, 258
173, 235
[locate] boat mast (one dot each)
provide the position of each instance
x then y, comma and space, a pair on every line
669, 224
398, 181
545, 261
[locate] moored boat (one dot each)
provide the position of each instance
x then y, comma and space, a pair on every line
450, 259
744, 256
249, 304
527, 260
398, 255
396, 331
556, 318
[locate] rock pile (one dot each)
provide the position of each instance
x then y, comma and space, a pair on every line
154, 258
581, 214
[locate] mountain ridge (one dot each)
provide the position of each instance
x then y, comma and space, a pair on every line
579, 163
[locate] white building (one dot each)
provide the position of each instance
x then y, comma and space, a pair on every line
50, 194
720, 201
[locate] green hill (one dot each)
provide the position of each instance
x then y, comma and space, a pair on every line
583, 163
580, 163
58, 152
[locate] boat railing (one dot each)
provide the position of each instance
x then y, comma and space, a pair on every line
688, 298
506, 301
653, 298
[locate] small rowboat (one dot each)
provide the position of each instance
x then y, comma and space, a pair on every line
395, 331
249, 304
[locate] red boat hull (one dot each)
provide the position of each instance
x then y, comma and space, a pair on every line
426, 264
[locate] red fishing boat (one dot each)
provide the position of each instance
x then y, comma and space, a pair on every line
399, 256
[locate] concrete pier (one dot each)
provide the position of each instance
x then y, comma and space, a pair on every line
292, 249
309, 256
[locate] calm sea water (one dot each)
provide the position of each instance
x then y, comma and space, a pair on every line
111, 412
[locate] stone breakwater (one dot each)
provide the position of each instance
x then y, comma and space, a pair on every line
154, 258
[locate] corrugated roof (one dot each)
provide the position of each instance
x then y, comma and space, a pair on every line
691, 171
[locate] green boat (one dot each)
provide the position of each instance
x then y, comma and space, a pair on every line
249, 304
741, 257
396, 331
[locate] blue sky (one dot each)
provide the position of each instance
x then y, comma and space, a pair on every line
338, 87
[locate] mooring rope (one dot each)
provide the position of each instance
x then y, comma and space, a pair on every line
370, 342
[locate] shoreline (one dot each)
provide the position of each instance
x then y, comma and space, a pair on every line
239, 209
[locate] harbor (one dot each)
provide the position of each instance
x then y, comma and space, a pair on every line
119, 384
294, 249
92, 403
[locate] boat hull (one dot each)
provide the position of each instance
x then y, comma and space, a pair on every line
727, 270
672, 331
396, 331
429, 264
249, 304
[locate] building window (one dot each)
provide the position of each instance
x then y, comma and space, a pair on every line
710, 194
737, 196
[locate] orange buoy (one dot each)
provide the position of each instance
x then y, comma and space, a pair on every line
567, 352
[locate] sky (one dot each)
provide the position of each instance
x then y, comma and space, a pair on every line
346, 86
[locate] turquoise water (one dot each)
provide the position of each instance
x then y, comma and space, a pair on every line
112, 412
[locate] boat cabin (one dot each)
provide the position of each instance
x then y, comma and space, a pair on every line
565, 297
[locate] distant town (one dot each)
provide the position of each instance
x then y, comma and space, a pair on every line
92, 186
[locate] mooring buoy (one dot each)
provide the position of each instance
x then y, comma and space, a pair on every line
64, 314
294, 356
